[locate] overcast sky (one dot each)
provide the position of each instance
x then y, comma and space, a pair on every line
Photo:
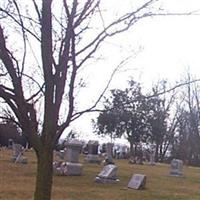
159, 47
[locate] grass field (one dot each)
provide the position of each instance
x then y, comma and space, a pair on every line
17, 182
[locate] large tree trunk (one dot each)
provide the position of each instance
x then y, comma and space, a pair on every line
44, 176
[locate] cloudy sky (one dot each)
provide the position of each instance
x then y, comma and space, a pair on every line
158, 47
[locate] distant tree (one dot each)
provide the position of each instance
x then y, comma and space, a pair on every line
162, 126
187, 143
10, 131
125, 114
44, 44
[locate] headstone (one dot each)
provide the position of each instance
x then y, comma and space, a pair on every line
73, 150
17, 156
67, 168
10, 143
109, 151
176, 168
93, 147
138, 181
72, 167
152, 155
92, 156
108, 175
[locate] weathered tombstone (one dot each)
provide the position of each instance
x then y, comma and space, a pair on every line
92, 156
72, 167
108, 175
152, 155
176, 168
67, 168
138, 181
17, 156
10, 143
109, 151
73, 150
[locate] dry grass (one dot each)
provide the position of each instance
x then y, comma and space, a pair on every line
17, 182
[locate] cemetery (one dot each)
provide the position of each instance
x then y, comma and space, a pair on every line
118, 82
117, 181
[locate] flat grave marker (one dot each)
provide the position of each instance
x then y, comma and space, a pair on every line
138, 181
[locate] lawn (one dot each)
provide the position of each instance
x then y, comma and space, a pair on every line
17, 182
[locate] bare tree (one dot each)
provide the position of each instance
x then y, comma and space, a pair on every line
45, 43
187, 145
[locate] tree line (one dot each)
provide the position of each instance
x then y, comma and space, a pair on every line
168, 120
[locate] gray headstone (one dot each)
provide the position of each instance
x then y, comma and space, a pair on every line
138, 181
108, 175
73, 150
176, 167
93, 147
152, 155
92, 156
109, 149
10, 143
72, 167
109, 171
67, 169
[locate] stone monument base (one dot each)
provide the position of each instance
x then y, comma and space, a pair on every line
105, 180
67, 168
177, 174
90, 158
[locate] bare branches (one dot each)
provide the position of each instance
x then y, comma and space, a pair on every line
67, 42
173, 88
37, 10
93, 107
23, 35
12, 16
8, 63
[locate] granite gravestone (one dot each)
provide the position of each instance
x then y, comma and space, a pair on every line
176, 168
72, 167
109, 152
73, 150
138, 181
108, 175
152, 155
92, 156
10, 143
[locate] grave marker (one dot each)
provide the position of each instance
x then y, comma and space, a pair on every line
138, 181
72, 167
176, 168
108, 174
92, 156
